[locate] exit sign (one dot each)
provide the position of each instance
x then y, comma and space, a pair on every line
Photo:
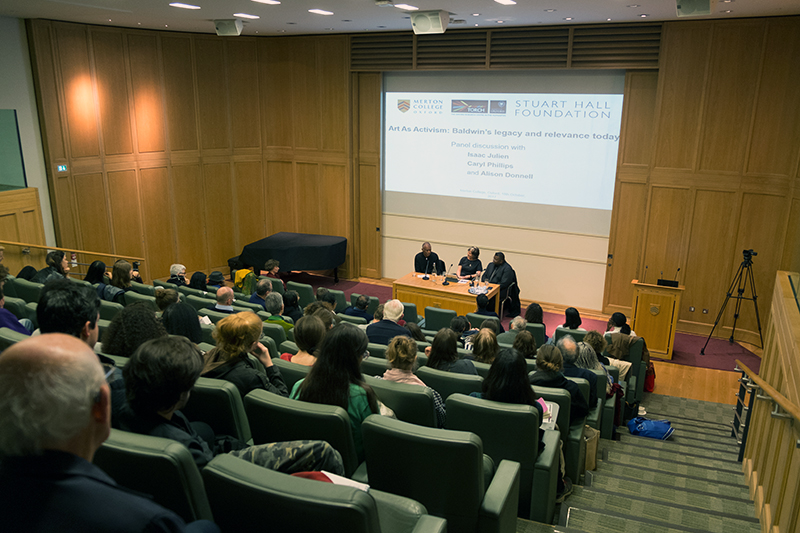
62, 168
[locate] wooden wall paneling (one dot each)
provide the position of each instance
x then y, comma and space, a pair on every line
761, 227
44, 72
776, 126
190, 218
310, 194
241, 60
666, 225
334, 92
638, 118
112, 91
728, 105
369, 238
275, 68
306, 105
791, 245
334, 206
65, 216
219, 213
682, 73
161, 249
21, 221
91, 198
148, 103
212, 93
73, 60
180, 92
32, 231
367, 185
707, 260
251, 206
630, 212
369, 114
126, 221
283, 210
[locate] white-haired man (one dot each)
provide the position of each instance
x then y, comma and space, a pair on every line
384, 331
177, 275
55, 412
517, 324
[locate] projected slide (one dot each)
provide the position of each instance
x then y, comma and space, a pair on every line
556, 149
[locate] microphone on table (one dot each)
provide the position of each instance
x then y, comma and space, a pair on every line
676, 274
445, 282
427, 264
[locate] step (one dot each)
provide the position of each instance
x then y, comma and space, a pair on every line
680, 454
709, 470
600, 522
722, 483
678, 445
671, 495
722, 440
693, 425
686, 408
669, 516
526, 526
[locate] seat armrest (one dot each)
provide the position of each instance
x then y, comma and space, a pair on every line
545, 478
430, 524
397, 514
498, 512
607, 424
360, 474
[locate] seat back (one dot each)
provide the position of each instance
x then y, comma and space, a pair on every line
208, 333
377, 351
218, 403
159, 283
341, 301
17, 307
9, 337
247, 497
476, 320
274, 418
410, 403
275, 332
198, 302
508, 431
373, 302
108, 310
160, 467
214, 316
10, 289
538, 332
277, 285
562, 331
188, 291
27, 290
31, 306
288, 346
374, 366
244, 304
131, 297
141, 288
564, 401
584, 387
352, 319
447, 383
482, 368
304, 291
291, 372
442, 460
436, 318
410, 313
635, 381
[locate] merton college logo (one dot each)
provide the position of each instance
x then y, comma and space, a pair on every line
403, 105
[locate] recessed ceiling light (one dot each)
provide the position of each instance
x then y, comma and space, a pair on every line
138, 23
550, 10
281, 31
270, 2
406, 7
246, 16
727, 11
320, 12
109, 20
476, 14
475, 24
506, 2
184, 6
634, 5
500, 21
608, 19
567, 18
644, 15
166, 25
328, 29
727, 1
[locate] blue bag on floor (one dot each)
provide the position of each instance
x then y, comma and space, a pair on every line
655, 429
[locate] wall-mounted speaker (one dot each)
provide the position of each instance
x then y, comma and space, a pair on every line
228, 27
430, 21
695, 8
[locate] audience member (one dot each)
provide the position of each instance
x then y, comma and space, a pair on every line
516, 326
177, 275
291, 305
443, 354
360, 309
122, 274
160, 377
525, 344
224, 301
27, 272
216, 279
96, 273
272, 267
507, 382
2, 253
8, 320
490, 324
55, 412
165, 297
415, 331
597, 341
237, 336
181, 319
4, 274
308, 334
549, 364
132, 326
462, 328
616, 322
388, 328
198, 281
588, 360
402, 357
619, 350
263, 288
572, 319
322, 311
483, 309
535, 315
274, 306
335, 379
377, 316
569, 354
57, 267
485, 346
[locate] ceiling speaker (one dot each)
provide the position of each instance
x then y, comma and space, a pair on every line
228, 27
695, 8
430, 21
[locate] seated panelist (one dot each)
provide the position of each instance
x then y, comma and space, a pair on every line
426, 261
470, 266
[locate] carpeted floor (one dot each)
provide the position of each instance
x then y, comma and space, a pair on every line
719, 354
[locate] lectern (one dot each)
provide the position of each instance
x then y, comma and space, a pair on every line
655, 316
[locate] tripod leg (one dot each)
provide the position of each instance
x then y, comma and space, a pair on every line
736, 280
755, 303
739, 297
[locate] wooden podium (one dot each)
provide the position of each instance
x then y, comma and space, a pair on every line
655, 316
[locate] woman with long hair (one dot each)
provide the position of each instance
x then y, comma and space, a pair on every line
588, 360
525, 344
443, 354
198, 281
549, 366
402, 356
485, 346
96, 273
572, 319
237, 338
121, 275
181, 319
507, 381
308, 335
57, 267
335, 379
130, 328
535, 315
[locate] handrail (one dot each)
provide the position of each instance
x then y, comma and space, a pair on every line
773, 393
44, 247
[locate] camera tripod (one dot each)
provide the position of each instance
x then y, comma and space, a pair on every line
743, 277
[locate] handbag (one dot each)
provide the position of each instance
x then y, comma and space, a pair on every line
654, 429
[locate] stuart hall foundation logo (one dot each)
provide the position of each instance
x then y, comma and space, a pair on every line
403, 105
